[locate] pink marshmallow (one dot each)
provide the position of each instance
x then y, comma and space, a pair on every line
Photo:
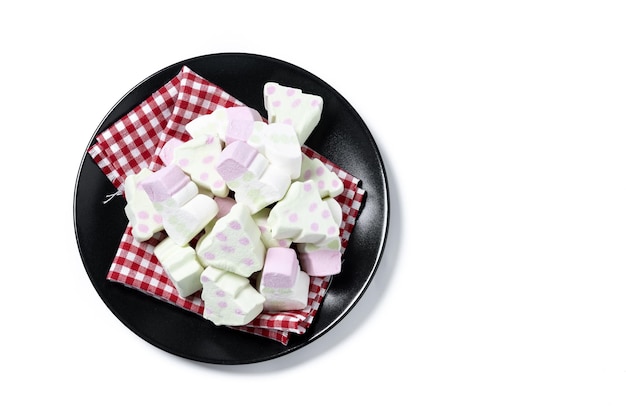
235, 159
281, 268
164, 183
321, 263
240, 123
243, 113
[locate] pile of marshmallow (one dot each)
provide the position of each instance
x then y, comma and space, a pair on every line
261, 214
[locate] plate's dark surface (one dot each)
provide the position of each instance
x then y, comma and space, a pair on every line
341, 136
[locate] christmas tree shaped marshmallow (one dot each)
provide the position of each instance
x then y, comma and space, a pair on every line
144, 219
233, 244
197, 158
229, 299
327, 182
304, 217
291, 106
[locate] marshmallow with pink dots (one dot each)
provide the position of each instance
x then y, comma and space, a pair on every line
197, 158
291, 106
144, 219
327, 182
255, 181
323, 258
282, 283
303, 216
185, 212
181, 266
233, 244
312, 223
229, 299
224, 204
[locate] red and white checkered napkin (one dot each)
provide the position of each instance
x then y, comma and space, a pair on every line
134, 141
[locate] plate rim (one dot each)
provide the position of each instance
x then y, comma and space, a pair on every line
104, 123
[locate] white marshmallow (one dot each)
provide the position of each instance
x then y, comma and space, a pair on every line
304, 217
181, 266
291, 106
229, 299
197, 158
213, 124
185, 212
278, 142
295, 298
255, 181
144, 219
233, 244
282, 283
327, 182
260, 218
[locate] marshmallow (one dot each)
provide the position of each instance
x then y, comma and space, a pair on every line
233, 244
304, 217
260, 218
282, 283
328, 183
229, 299
335, 209
291, 106
197, 158
224, 204
320, 261
180, 265
278, 142
144, 219
166, 155
240, 124
185, 212
281, 268
164, 184
281, 228
213, 124
255, 181
228, 124
240, 159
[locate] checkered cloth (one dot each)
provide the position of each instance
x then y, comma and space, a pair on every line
133, 143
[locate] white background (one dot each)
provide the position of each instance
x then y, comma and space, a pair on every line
502, 288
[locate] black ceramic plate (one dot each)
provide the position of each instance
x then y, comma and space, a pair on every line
341, 136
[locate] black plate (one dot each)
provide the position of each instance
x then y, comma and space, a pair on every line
341, 136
